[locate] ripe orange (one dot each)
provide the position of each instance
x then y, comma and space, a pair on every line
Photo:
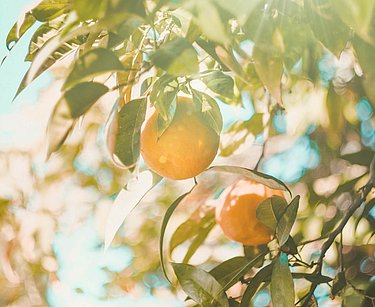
236, 212
185, 149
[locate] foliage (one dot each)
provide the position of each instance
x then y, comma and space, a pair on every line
279, 54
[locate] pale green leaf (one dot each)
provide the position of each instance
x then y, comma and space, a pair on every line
207, 17
177, 57
269, 67
164, 224
92, 63
265, 179
128, 198
321, 17
357, 15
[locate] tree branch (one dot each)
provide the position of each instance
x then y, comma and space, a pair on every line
359, 199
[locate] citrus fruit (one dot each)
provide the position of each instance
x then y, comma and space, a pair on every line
185, 149
236, 212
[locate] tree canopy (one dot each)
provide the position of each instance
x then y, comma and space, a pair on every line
288, 86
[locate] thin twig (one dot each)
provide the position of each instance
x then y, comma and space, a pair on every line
359, 199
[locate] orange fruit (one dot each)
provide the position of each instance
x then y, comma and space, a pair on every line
236, 212
185, 149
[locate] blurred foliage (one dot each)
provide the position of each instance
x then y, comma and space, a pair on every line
293, 78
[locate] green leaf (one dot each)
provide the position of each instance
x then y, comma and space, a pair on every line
339, 283
245, 269
229, 60
270, 210
59, 126
200, 285
269, 67
50, 9
207, 17
290, 246
265, 179
321, 17
357, 15
125, 29
19, 29
239, 8
226, 270
177, 57
159, 86
43, 58
42, 35
164, 224
72, 105
294, 34
251, 251
89, 9
193, 32
129, 122
208, 110
285, 223
219, 83
254, 126
233, 303
191, 227
209, 48
166, 104
282, 287
254, 284
132, 6
198, 240
82, 96
366, 58
92, 63
128, 198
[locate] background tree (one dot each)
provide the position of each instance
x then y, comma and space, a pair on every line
298, 73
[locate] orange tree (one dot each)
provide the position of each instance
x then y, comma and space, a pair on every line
307, 67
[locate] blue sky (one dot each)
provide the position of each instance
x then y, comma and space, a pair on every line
13, 69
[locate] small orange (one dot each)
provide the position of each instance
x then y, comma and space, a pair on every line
236, 212
185, 149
